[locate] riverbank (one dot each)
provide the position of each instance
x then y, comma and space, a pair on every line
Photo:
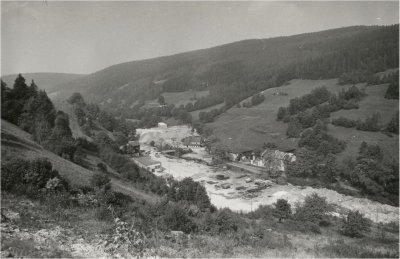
233, 192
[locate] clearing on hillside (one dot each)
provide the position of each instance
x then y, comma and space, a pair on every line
183, 98
242, 129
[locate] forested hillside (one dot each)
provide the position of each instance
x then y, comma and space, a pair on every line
235, 71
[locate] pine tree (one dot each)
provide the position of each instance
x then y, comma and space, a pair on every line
282, 209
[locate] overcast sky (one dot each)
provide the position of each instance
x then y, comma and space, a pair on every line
83, 37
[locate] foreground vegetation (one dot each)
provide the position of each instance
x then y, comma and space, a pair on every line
119, 225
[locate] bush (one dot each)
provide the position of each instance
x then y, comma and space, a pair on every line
176, 219
294, 129
100, 181
349, 105
314, 209
222, 222
319, 140
371, 123
282, 112
392, 91
282, 209
23, 176
344, 122
354, 225
12, 173
393, 125
102, 167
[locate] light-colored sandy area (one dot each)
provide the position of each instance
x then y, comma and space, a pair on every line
171, 135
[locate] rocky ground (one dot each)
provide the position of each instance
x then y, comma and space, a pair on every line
25, 233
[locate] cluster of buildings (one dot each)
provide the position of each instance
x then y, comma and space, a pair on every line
141, 158
272, 160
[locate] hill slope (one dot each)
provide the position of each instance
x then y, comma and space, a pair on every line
244, 67
16, 143
241, 129
46, 81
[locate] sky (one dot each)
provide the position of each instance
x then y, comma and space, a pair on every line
84, 37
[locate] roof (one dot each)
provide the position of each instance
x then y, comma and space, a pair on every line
146, 161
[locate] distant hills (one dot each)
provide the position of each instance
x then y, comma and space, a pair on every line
235, 71
46, 81
218, 79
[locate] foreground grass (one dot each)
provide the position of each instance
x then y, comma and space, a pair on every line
45, 229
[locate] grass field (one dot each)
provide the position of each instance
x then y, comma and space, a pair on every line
248, 128
184, 98
375, 101
354, 138
195, 114
242, 129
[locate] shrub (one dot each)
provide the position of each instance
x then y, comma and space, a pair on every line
318, 139
224, 221
257, 99
102, 167
314, 209
373, 152
28, 177
100, 181
262, 212
371, 123
12, 173
344, 122
294, 129
270, 145
176, 219
350, 104
393, 125
354, 225
392, 91
282, 209
282, 111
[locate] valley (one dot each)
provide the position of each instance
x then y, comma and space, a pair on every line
243, 201
277, 147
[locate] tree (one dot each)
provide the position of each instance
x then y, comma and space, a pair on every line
20, 90
392, 91
282, 209
355, 224
161, 100
61, 128
294, 129
282, 111
314, 209
76, 98
201, 197
393, 125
